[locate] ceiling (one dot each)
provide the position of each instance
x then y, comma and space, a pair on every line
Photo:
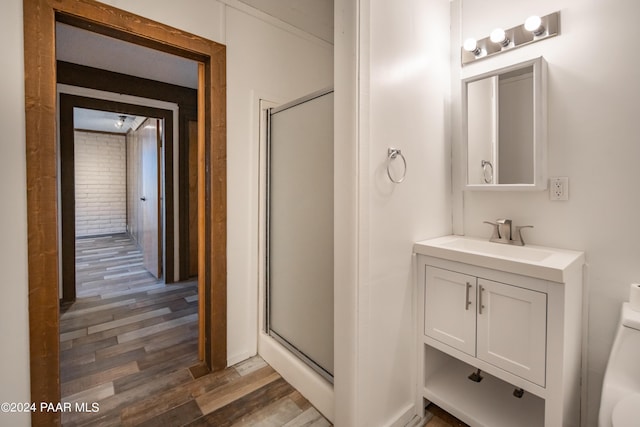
84, 47
103, 121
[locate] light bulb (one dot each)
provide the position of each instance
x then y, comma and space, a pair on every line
534, 25
471, 45
120, 122
499, 36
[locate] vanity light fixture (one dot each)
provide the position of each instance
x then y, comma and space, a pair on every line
535, 28
499, 36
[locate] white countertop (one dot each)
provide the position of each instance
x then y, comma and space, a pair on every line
530, 260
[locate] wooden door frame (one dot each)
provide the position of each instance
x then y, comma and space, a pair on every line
42, 176
67, 180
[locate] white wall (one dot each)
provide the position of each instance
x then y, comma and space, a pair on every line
261, 59
268, 62
100, 183
593, 95
205, 18
14, 319
401, 91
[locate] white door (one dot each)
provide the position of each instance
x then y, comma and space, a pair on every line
449, 308
512, 328
150, 200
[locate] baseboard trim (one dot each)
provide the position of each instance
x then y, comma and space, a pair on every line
406, 417
233, 360
310, 384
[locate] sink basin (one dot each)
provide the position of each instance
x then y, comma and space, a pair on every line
498, 249
533, 261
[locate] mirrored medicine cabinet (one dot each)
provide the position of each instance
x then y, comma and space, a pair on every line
505, 128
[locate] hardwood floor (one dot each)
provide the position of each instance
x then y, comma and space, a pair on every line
129, 354
109, 265
438, 417
129, 346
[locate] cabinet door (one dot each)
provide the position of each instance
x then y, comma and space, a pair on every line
449, 308
512, 329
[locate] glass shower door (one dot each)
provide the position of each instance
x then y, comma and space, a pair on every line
300, 229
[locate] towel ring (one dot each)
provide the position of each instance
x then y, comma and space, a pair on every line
392, 153
485, 170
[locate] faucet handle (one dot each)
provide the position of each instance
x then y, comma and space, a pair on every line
519, 240
496, 231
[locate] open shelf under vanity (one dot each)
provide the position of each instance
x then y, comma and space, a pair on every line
489, 402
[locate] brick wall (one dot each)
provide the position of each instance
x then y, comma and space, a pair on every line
100, 175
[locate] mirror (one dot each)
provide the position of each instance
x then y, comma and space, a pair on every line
504, 128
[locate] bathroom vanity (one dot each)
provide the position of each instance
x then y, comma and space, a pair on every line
513, 313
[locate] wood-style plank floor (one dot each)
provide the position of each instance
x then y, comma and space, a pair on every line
129, 346
438, 417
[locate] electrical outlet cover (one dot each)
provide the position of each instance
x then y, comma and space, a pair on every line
559, 188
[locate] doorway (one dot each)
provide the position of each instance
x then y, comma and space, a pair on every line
158, 237
42, 176
118, 168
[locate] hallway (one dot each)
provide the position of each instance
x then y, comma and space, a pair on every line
108, 265
129, 343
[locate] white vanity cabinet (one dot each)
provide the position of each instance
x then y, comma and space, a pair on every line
514, 313
449, 308
512, 329
500, 324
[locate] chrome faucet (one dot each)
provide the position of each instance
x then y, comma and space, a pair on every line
502, 232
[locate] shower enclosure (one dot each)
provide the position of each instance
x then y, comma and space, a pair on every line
299, 257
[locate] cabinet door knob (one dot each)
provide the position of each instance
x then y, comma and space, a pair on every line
467, 303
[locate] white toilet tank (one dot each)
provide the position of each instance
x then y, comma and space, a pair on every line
621, 385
